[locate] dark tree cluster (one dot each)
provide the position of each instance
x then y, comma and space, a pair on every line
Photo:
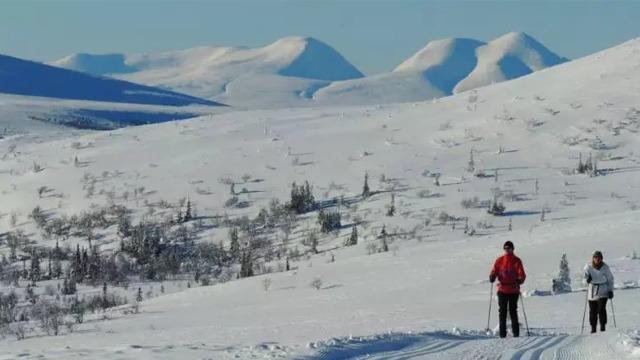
302, 200
329, 221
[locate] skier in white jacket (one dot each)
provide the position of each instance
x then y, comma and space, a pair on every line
600, 279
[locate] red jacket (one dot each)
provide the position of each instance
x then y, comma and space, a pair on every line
510, 273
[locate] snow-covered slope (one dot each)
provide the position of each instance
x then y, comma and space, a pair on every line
445, 67
526, 138
284, 72
22, 77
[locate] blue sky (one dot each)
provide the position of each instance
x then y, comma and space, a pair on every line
374, 35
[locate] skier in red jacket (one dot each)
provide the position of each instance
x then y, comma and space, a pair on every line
509, 271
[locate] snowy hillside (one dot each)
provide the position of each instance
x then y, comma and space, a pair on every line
445, 67
418, 289
286, 71
294, 70
22, 77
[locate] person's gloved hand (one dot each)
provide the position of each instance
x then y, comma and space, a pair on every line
610, 294
589, 279
519, 281
492, 278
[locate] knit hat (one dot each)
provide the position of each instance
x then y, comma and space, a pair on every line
597, 253
508, 244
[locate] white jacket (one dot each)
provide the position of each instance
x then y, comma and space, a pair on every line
601, 281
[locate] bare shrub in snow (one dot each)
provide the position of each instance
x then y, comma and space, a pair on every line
316, 283
233, 201
443, 217
469, 203
19, 330
266, 284
50, 316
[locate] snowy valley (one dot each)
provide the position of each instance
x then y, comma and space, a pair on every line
189, 239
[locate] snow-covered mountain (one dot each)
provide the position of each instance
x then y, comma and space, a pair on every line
293, 71
23, 77
446, 67
425, 298
285, 72
507, 57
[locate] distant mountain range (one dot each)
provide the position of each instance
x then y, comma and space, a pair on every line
296, 71
445, 67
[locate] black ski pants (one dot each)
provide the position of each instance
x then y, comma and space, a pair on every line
508, 302
598, 309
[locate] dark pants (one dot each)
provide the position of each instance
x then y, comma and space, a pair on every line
508, 302
598, 309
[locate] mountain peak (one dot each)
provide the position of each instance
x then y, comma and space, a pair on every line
438, 51
310, 58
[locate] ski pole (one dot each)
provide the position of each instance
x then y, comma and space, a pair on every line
526, 323
614, 315
584, 313
490, 302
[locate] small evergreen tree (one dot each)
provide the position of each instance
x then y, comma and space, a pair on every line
234, 245
562, 283
471, 165
366, 192
246, 263
496, 208
187, 212
384, 245
69, 286
353, 238
391, 210
35, 267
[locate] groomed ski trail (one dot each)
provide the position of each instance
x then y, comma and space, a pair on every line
443, 346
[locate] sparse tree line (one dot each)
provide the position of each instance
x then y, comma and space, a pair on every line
156, 246
50, 313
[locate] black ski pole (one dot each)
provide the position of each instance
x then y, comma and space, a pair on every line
584, 313
490, 302
526, 323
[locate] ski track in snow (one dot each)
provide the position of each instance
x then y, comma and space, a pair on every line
464, 347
